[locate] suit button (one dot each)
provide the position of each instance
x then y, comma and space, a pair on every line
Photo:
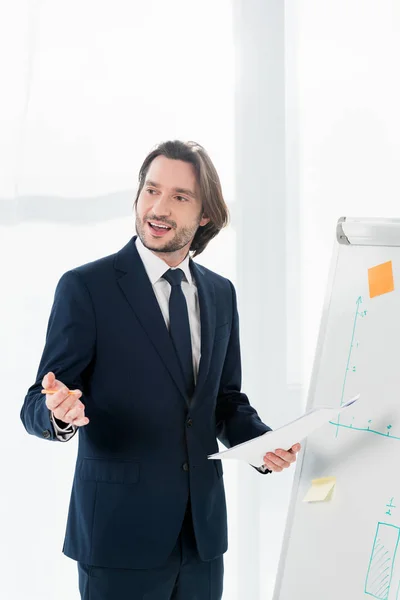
189, 423
46, 433
185, 467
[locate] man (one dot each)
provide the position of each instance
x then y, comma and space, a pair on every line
145, 347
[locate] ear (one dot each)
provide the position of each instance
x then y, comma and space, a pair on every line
204, 221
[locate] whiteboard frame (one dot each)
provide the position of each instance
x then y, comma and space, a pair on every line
310, 400
368, 231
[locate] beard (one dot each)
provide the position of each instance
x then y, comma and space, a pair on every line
182, 237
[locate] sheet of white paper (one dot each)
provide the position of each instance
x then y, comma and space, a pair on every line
254, 450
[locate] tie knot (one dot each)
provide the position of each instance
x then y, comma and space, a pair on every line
174, 276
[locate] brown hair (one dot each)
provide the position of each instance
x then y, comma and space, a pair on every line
213, 203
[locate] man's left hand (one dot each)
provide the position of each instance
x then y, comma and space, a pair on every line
281, 459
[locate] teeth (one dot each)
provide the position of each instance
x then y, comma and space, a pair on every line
162, 226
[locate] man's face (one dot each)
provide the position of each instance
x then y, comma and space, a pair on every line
169, 199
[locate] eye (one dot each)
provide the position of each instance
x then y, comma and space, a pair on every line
149, 190
182, 198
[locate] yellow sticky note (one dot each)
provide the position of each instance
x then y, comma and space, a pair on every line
380, 279
321, 490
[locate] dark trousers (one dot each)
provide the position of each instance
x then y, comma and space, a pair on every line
183, 577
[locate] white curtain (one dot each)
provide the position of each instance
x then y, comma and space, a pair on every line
88, 88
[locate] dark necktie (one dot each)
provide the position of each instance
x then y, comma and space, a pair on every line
179, 327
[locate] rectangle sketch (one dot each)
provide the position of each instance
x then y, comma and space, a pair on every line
381, 564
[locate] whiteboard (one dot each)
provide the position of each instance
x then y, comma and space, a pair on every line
348, 548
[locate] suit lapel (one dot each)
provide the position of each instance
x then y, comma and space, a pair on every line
206, 293
139, 292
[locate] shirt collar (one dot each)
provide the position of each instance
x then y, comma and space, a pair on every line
156, 267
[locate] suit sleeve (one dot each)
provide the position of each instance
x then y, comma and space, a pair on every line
236, 420
68, 352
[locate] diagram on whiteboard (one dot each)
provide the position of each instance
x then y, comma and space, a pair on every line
381, 565
382, 573
351, 367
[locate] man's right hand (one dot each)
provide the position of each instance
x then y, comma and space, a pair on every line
65, 406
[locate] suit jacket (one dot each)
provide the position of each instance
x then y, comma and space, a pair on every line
145, 448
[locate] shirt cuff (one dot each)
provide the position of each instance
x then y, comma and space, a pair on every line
263, 469
63, 433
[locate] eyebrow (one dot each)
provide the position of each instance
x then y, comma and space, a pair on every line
178, 190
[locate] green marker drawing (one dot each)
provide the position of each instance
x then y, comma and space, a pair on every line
337, 423
381, 563
392, 437
359, 301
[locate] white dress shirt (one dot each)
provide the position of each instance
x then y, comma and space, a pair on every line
155, 269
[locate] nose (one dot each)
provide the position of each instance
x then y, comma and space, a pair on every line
161, 206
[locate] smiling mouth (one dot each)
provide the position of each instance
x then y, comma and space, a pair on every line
158, 228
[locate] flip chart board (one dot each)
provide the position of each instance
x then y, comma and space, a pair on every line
347, 546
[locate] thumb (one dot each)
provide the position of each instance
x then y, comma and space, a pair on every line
49, 380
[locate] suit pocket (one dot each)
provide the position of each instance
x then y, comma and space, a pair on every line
109, 471
222, 332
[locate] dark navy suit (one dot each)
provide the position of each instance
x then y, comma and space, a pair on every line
145, 449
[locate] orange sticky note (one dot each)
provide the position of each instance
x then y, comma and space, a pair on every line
380, 279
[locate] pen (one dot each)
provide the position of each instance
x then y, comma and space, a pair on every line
55, 392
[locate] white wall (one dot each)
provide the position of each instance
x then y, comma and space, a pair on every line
266, 218
344, 74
